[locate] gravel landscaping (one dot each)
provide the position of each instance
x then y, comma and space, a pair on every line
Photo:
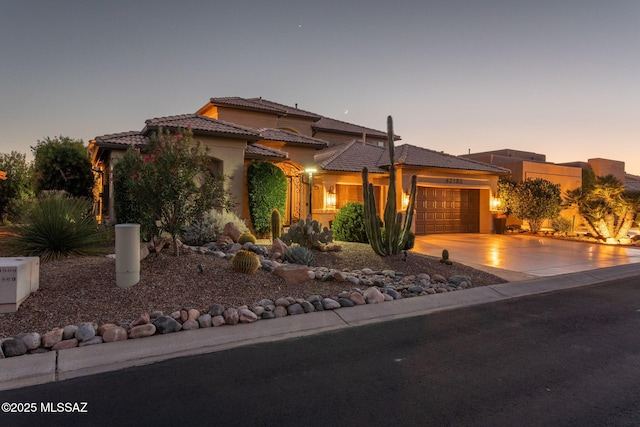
77, 290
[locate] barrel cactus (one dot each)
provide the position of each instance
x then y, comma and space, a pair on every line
445, 258
245, 262
247, 237
299, 255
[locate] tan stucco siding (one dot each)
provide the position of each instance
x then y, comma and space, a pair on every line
298, 124
251, 119
231, 153
568, 177
334, 138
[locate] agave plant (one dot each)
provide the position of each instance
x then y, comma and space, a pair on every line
55, 226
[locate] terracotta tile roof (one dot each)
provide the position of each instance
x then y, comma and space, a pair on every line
291, 137
351, 157
333, 125
202, 124
410, 155
248, 104
288, 110
121, 139
632, 182
257, 151
259, 104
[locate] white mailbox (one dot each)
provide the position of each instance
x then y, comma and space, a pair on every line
18, 278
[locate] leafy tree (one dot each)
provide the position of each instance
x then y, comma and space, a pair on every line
608, 210
63, 164
267, 186
17, 186
506, 188
168, 183
534, 201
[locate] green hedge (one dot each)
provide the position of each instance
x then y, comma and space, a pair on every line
267, 186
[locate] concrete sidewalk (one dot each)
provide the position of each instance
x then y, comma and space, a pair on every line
35, 369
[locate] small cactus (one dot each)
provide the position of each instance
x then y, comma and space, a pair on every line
445, 257
299, 255
276, 225
245, 262
247, 237
309, 233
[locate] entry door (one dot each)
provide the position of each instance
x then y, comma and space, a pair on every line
447, 210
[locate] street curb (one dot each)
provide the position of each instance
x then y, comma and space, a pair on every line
42, 368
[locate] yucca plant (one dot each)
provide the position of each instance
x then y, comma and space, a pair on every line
55, 226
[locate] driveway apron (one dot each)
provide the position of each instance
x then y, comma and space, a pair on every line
518, 256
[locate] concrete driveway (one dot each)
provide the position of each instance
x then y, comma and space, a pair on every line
517, 257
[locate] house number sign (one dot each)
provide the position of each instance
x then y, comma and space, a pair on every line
8, 274
454, 181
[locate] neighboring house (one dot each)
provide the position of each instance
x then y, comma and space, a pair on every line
526, 165
322, 159
632, 182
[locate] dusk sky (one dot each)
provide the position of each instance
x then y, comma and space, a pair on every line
560, 78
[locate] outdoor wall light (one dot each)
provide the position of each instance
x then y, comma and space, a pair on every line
495, 203
405, 200
331, 198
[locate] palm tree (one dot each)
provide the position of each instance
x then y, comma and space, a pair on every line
608, 211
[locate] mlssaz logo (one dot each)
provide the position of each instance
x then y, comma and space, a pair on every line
63, 407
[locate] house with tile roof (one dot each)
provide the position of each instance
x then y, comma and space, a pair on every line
454, 194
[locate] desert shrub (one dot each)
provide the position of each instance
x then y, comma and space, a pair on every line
209, 227
199, 233
220, 218
562, 225
267, 187
55, 226
348, 225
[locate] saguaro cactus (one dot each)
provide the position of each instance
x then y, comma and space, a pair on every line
397, 229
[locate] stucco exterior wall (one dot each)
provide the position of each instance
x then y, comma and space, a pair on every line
230, 152
299, 124
252, 119
604, 167
334, 138
568, 177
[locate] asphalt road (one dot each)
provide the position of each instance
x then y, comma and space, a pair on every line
560, 359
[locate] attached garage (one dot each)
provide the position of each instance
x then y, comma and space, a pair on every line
447, 210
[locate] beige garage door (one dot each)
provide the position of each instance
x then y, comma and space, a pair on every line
447, 210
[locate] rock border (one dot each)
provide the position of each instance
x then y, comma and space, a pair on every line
366, 287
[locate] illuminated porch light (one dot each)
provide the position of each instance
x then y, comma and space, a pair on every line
495, 204
405, 200
331, 198
310, 171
